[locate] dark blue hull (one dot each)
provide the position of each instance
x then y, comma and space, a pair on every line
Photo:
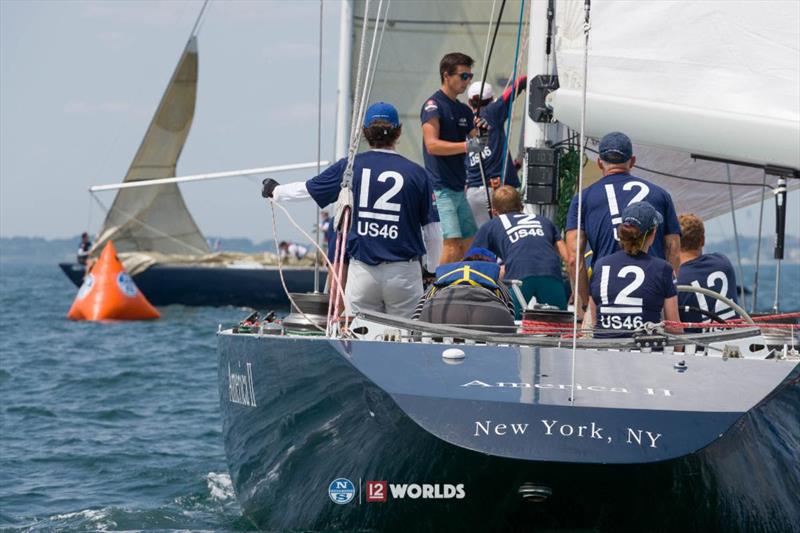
241, 287
299, 413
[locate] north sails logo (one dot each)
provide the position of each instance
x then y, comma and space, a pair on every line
240, 387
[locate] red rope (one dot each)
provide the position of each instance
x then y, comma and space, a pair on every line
728, 325
539, 327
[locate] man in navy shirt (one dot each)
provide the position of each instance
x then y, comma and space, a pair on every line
529, 245
393, 208
630, 287
710, 271
448, 133
603, 201
495, 112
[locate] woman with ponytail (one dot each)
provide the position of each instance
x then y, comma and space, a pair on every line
630, 287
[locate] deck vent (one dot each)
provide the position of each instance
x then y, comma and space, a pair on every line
534, 493
453, 356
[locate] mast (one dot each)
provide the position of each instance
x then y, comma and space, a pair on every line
343, 105
539, 171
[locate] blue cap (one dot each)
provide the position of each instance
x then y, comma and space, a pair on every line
615, 147
476, 250
642, 216
381, 111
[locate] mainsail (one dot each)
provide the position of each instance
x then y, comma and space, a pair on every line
712, 78
417, 35
156, 218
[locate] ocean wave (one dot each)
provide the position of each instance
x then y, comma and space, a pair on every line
220, 486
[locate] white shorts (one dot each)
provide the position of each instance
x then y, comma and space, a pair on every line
391, 288
476, 197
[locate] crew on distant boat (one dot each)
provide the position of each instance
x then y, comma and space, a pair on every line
711, 271
529, 245
83, 249
393, 210
292, 249
495, 111
328, 229
468, 293
602, 203
449, 132
630, 287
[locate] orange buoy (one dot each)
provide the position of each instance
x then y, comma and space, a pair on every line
109, 293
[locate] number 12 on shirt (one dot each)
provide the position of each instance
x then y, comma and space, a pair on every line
382, 203
613, 206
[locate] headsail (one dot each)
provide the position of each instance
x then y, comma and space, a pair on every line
417, 35
156, 218
718, 79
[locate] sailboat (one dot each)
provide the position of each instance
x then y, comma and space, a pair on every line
400, 425
156, 236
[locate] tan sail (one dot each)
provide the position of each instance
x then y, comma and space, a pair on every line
156, 218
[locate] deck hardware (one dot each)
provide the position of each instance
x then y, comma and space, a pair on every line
531, 492
680, 366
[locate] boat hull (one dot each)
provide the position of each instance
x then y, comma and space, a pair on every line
299, 413
212, 286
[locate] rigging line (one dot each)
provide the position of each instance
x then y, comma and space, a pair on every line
89, 221
319, 145
736, 236
370, 74
197, 22
754, 302
512, 97
699, 180
148, 227
380, 45
280, 271
578, 256
488, 36
356, 92
478, 108
522, 55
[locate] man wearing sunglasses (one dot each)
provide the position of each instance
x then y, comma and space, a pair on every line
448, 134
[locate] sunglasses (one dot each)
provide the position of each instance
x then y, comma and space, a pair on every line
465, 76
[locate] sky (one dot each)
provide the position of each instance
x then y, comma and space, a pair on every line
80, 81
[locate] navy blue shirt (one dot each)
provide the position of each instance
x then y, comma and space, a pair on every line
392, 200
629, 291
455, 123
525, 243
495, 114
603, 202
710, 271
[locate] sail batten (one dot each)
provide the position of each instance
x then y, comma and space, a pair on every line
156, 218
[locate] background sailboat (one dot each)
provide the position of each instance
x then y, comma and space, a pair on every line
156, 236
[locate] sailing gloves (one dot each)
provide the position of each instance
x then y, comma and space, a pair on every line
268, 187
475, 145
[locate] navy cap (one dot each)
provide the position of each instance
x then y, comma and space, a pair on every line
642, 216
381, 111
616, 147
476, 250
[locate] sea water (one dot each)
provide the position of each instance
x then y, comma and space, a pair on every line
116, 426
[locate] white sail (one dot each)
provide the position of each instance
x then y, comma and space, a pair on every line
156, 218
714, 78
417, 35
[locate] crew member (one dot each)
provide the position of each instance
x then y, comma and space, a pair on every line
630, 287
602, 203
468, 293
83, 249
710, 271
291, 249
495, 111
449, 132
530, 247
393, 209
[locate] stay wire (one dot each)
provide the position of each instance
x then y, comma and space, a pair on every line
319, 146
578, 257
754, 302
513, 95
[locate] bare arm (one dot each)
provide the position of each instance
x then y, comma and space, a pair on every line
672, 251
435, 145
574, 261
592, 310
